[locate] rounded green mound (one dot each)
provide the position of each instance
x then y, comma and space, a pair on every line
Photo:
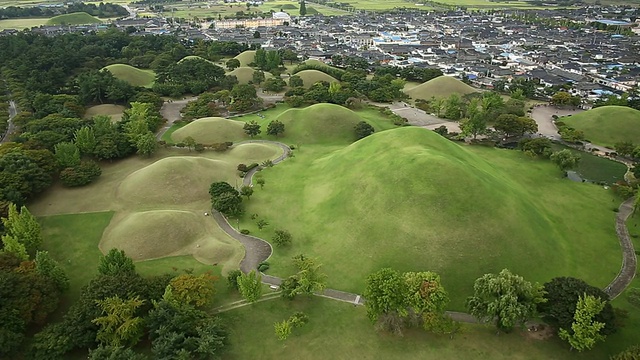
155, 234
132, 75
607, 125
211, 130
77, 18
174, 181
320, 123
440, 87
310, 77
254, 152
246, 57
244, 74
115, 111
194, 57
285, 7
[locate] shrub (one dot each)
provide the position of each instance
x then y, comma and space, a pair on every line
199, 147
633, 297
242, 167
245, 232
263, 266
282, 238
232, 279
82, 174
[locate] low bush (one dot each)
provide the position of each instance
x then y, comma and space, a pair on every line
263, 266
80, 175
245, 232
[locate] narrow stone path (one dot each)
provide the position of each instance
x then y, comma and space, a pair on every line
629, 258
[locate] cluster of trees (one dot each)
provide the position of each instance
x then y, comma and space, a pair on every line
267, 60
624, 100
192, 75
565, 159
410, 73
103, 10
628, 149
563, 98
308, 280
226, 199
119, 307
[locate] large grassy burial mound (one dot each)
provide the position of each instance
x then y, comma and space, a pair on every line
411, 200
440, 87
77, 18
174, 180
114, 111
244, 74
310, 77
607, 125
246, 57
159, 233
211, 130
132, 75
320, 123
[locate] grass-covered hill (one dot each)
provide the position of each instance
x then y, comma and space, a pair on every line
440, 87
310, 77
607, 125
77, 18
320, 123
412, 200
244, 74
246, 57
211, 130
132, 75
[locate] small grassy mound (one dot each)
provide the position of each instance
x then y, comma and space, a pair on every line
310, 77
132, 75
285, 7
191, 57
244, 74
77, 18
115, 111
440, 87
246, 57
320, 123
174, 180
211, 130
254, 152
607, 125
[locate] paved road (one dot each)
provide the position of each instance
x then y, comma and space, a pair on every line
170, 110
420, 118
629, 258
13, 111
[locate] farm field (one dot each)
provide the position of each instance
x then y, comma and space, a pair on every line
607, 125
20, 24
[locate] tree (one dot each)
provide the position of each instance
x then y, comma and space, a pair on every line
23, 227
260, 181
275, 128
116, 263
453, 107
585, 331
192, 290
258, 77
281, 238
246, 191
624, 148
512, 125
50, 268
114, 353
274, 84
570, 134
232, 279
80, 175
437, 105
562, 294
256, 34
218, 188
228, 203
303, 8
505, 298
146, 144
565, 159
67, 154
476, 125
118, 326
295, 81
632, 353
385, 294
243, 97
250, 286
189, 142
536, 147
85, 140
561, 98
252, 128
283, 329
363, 129
232, 64
11, 245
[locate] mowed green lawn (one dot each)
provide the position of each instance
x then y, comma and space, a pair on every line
20, 24
338, 330
415, 203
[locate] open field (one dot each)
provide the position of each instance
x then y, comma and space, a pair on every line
211, 130
310, 77
78, 18
411, 200
607, 125
20, 24
115, 111
440, 87
132, 75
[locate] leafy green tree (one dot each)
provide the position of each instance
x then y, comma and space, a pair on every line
114, 353
570, 134
85, 140
512, 125
243, 97
232, 279
476, 125
194, 290
11, 245
295, 81
229, 203
246, 191
118, 324
561, 98
385, 294
252, 128
274, 84
146, 144
632, 353
282, 238
50, 268
233, 64
283, 329
624, 148
67, 154
505, 298
275, 128
80, 175
218, 188
250, 286
585, 331
437, 104
23, 227
363, 129
565, 159
536, 147
258, 77
453, 107
116, 263
260, 181
303, 8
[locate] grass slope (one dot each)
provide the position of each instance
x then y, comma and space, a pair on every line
608, 125
246, 57
410, 199
211, 130
310, 77
320, 123
440, 87
244, 74
77, 18
115, 111
132, 75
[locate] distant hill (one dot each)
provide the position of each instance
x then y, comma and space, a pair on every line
132, 75
310, 77
440, 87
78, 18
607, 125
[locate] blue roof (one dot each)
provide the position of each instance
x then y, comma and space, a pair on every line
613, 22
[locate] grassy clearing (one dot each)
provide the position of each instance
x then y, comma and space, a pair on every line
211, 130
77, 18
132, 75
310, 77
20, 24
115, 111
440, 87
595, 168
411, 200
338, 330
607, 125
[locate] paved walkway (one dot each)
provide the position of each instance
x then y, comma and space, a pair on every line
170, 110
629, 258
